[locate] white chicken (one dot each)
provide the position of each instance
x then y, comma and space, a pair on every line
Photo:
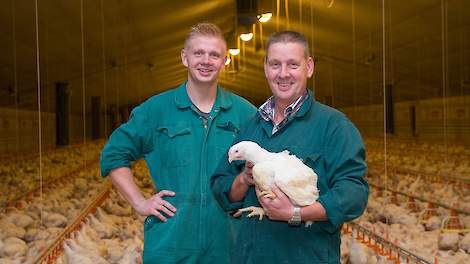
289, 173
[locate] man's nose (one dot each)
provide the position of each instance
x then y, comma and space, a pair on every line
206, 58
284, 71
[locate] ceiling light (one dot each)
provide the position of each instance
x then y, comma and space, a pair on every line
263, 18
227, 61
246, 36
234, 52
329, 3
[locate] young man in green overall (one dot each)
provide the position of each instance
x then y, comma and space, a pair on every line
319, 135
182, 134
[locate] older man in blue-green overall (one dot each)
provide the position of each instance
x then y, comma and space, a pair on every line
323, 138
182, 134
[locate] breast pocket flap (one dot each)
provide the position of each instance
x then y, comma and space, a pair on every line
313, 157
229, 126
172, 132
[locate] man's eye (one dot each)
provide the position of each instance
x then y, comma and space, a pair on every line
294, 65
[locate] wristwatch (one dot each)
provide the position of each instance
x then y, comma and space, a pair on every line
296, 219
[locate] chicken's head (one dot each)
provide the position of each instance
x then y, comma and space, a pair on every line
244, 150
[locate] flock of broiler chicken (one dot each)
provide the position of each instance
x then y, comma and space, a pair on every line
31, 226
439, 159
21, 176
393, 217
410, 230
113, 234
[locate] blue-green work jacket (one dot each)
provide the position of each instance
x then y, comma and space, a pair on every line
328, 143
181, 152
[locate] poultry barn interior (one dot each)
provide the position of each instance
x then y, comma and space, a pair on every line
72, 71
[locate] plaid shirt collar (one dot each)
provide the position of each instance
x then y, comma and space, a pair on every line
267, 110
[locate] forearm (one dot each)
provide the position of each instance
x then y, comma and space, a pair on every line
313, 212
239, 189
122, 179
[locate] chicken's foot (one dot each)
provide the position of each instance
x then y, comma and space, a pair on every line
253, 211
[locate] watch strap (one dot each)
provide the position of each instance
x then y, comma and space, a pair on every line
296, 218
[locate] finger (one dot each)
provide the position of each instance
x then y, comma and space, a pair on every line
266, 202
159, 215
277, 191
169, 206
249, 178
237, 213
263, 202
247, 175
165, 193
166, 211
249, 165
158, 206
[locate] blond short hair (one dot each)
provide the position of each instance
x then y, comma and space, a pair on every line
204, 29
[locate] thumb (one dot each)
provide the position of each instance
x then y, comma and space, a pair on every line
165, 193
277, 191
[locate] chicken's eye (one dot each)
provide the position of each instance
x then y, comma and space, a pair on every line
236, 151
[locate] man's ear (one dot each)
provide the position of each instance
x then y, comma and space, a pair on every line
310, 67
184, 58
265, 64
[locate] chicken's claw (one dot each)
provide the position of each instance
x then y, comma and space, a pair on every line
253, 211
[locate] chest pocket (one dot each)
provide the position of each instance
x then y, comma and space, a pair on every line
175, 142
226, 133
228, 127
312, 159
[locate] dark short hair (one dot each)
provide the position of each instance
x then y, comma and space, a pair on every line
288, 37
205, 29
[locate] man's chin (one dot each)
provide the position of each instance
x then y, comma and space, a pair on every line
284, 98
206, 79
283, 94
